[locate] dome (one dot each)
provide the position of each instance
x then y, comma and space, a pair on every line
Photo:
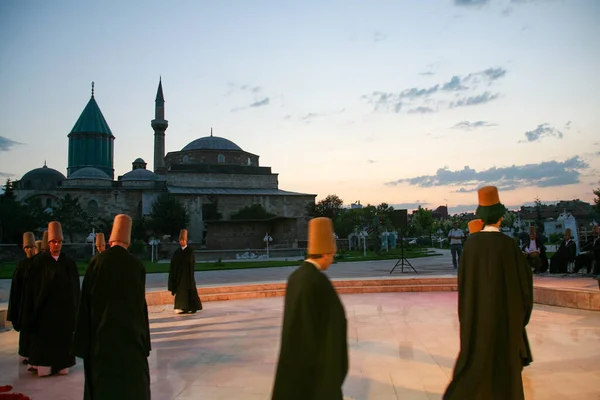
140, 175
41, 178
89, 173
211, 143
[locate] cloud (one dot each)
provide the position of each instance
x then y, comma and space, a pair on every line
379, 36
371, 161
7, 144
542, 131
432, 98
482, 98
430, 69
260, 103
421, 110
469, 126
258, 98
568, 126
6, 174
312, 115
544, 174
470, 3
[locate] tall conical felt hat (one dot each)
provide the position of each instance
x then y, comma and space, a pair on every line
45, 241
100, 239
55, 231
183, 234
28, 239
596, 229
38, 245
532, 230
475, 226
320, 236
121, 231
490, 210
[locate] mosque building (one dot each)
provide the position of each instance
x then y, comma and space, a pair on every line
209, 173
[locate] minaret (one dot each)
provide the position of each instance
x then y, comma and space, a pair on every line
160, 125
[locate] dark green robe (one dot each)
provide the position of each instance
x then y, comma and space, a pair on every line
50, 305
182, 282
495, 300
15, 303
113, 333
313, 359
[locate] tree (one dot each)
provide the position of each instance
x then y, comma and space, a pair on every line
210, 211
597, 200
255, 211
423, 219
539, 220
9, 191
329, 207
168, 216
71, 216
34, 207
14, 218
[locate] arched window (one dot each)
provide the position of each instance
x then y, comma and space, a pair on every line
92, 209
249, 161
220, 158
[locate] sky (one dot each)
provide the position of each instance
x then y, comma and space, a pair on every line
404, 102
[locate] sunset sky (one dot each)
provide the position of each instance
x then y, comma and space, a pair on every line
403, 102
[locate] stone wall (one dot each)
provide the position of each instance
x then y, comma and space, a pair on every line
226, 235
230, 157
227, 181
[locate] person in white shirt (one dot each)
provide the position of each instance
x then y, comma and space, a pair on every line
456, 236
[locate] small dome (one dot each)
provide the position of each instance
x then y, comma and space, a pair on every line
211, 143
140, 175
41, 178
139, 160
89, 173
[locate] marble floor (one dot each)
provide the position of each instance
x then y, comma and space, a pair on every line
402, 346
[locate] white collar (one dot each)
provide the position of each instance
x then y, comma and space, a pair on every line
183, 248
489, 228
313, 262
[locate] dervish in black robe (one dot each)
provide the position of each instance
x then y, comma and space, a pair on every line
15, 303
313, 359
564, 255
182, 283
50, 306
495, 300
113, 332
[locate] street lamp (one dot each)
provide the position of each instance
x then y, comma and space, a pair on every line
440, 232
364, 235
92, 238
153, 245
267, 239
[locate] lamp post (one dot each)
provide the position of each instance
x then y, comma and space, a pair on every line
385, 235
153, 245
267, 239
92, 238
440, 232
364, 235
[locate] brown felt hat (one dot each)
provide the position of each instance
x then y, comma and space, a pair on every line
55, 231
320, 236
532, 229
121, 231
28, 239
568, 230
100, 241
45, 241
475, 226
183, 234
596, 229
488, 196
38, 245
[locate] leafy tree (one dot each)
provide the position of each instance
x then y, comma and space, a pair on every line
597, 200
539, 221
255, 211
14, 218
210, 211
72, 217
168, 216
329, 207
423, 221
9, 191
34, 207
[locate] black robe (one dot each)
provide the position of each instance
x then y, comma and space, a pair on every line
50, 305
113, 332
313, 359
15, 303
495, 300
182, 282
542, 249
564, 255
